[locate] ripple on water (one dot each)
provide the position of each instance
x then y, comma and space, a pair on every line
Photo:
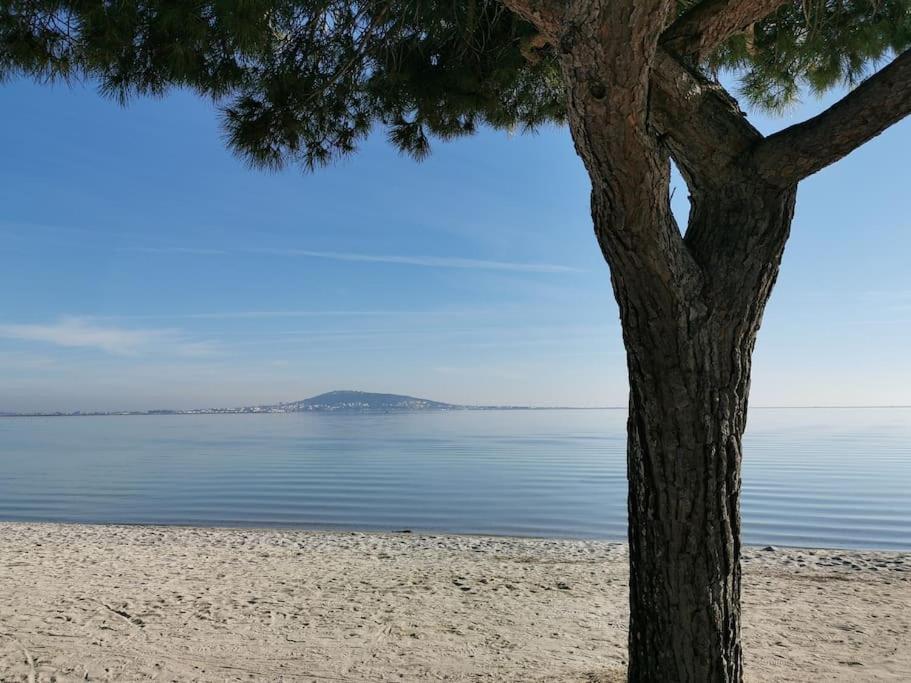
811, 477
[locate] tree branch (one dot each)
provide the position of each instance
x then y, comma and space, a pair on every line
544, 15
711, 22
701, 124
803, 149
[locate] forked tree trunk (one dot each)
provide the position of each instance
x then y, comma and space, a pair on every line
689, 372
690, 308
690, 305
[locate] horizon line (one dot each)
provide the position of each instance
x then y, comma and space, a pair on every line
236, 410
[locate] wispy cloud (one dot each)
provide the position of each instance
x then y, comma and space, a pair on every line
421, 261
25, 361
176, 250
227, 315
75, 332
243, 315
424, 261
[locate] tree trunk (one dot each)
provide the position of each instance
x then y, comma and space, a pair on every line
687, 412
689, 372
690, 307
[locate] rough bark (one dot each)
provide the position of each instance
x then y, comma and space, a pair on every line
684, 456
689, 387
690, 305
701, 125
805, 148
690, 309
708, 24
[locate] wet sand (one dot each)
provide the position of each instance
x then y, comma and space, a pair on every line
80, 602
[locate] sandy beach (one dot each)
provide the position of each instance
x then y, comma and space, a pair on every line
186, 604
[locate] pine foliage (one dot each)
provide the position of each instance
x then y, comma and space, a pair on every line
814, 45
305, 81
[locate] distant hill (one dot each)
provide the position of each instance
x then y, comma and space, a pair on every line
358, 400
333, 401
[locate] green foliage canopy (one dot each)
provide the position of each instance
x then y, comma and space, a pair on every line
305, 80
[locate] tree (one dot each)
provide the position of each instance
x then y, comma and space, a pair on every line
304, 81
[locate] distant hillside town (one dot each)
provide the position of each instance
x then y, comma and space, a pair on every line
333, 401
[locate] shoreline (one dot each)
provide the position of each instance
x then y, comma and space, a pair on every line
458, 409
417, 531
133, 602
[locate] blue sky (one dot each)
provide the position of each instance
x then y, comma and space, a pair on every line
144, 266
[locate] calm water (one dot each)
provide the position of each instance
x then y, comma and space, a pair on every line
821, 477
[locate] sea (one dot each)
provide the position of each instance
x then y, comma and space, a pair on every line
818, 477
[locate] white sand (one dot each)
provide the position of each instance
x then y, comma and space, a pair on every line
138, 603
